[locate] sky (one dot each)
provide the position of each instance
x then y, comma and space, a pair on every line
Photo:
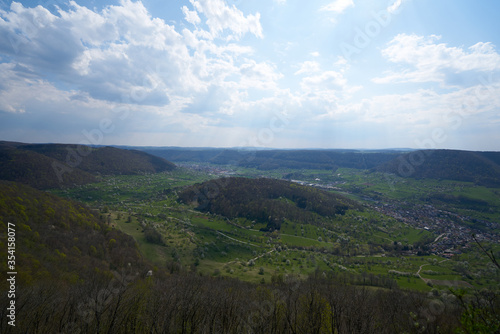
252, 73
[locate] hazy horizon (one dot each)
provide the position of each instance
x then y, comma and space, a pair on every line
400, 149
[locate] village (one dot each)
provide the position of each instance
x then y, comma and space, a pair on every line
453, 236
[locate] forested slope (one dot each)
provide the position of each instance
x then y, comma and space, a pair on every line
57, 239
37, 170
479, 167
266, 200
103, 160
273, 159
45, 166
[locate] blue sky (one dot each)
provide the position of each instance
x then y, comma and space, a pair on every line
264, 73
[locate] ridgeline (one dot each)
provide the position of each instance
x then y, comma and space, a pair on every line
45, 166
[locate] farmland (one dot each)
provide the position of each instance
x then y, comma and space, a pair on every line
375, 245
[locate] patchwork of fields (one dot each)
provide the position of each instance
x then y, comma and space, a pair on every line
379, 245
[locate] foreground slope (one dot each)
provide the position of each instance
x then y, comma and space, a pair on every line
58, 239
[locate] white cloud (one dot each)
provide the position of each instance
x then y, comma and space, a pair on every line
259, 75
341, 62
183, 82
423, 59
338, 6
204, 83
220, 17
395, 7
325, 80
124, 54
308, 67
191, 16
323, 93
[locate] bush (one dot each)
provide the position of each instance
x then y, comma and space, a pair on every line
153, 236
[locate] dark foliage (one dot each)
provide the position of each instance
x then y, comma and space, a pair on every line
37, 170
268, 201
184, 154
104, 160
192, 304
479, 167
153, 236
45, 166
463, 201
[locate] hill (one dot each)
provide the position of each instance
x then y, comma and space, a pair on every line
481, 168
274, 159
265, 200
46, 166
59, 240
103, 160
37, 170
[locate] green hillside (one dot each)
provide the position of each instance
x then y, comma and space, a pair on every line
58, 239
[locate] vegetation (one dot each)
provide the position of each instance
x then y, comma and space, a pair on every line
481, 168
191, 304
103, 160
277, 159
185, 250
57, 239
265, 200
45, 166
37, 170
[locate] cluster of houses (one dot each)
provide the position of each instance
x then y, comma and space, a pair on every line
453, 233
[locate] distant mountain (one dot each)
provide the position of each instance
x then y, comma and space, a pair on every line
483, 168
53, 165
37, 170
267, 201
103, 160
274, 159
177, 154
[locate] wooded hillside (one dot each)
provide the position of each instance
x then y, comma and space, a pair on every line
58, 239
266, 200
273, 159
45, 166
479, 167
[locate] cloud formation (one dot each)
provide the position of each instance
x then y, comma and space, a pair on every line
338, 6
220, 17
124, 54
215, 72
423, 59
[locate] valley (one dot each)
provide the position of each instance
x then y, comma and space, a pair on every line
396, 230
246, 242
